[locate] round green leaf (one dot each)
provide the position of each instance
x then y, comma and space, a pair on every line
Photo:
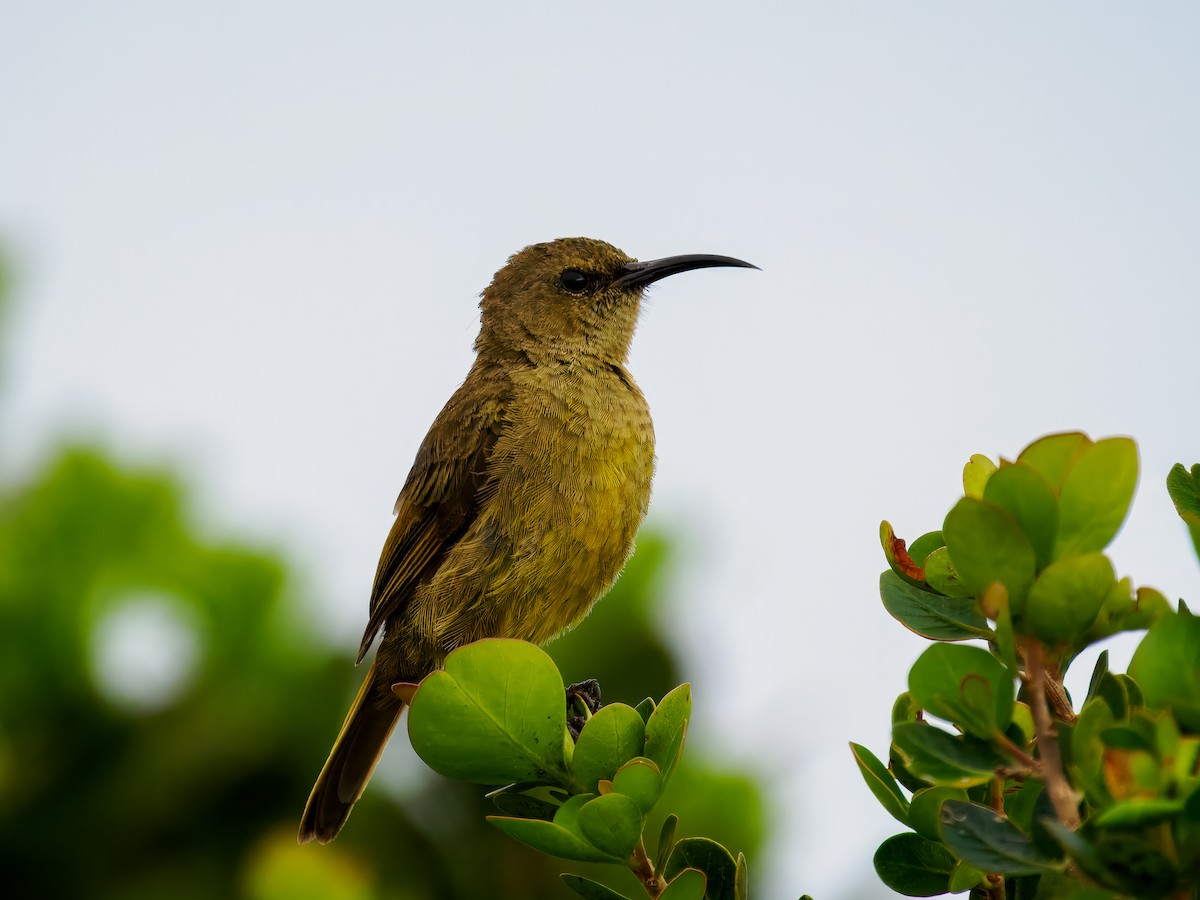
987, 839
1166, 666
494, 715
925, 811
976, 474
944, 759
1066, 598
914, 866
966, 876
687, 885
924, 545
590, 890
986, 545
640, 780
614, 735
942, 577
1096, 496
1054, 455
1027, 496
612, 823
931, 615
717, 864
562, 837
965, 685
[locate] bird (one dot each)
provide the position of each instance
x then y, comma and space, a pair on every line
525, 497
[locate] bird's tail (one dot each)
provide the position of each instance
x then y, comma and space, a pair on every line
357, 749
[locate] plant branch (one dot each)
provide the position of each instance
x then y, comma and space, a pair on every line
643, 868
1061, 796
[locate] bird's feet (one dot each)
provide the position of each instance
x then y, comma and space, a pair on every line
583, 699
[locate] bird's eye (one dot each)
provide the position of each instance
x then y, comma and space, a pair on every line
573, 281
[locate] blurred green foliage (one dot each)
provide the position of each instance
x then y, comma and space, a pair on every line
193, 787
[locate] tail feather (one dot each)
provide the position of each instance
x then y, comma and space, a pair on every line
353, 758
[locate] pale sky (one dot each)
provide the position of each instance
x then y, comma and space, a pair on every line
248, 238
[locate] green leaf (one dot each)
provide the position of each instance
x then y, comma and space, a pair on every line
905, 709
986, 545
1021, 731
495, 714
941, 576
1086, 757
898, 557
965, 685
1122, 612
666, 842
1184, 488
562, 837
1067, 596
881, 782
1188, 829
942, 758
1005, 641
1078, 848
591, 890
640, 780
666, 729
1098, 672
1135, 864
612, 736
1095, 496
523, 806
924, 545
1054, 455
931, 615
689, 884
914, 866
1166, 666
987, 839
645, 709
742, 881
1126, 737
612, 823
976, 474
925, 811
966, 876
1137, 813
718, 866
1027, 496
1021, 800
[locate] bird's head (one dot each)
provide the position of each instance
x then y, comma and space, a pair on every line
574, 299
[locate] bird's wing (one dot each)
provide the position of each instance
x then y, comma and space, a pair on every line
438, 503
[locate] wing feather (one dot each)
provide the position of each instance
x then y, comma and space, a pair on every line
438, 503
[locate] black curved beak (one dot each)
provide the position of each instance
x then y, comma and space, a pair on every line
640, 274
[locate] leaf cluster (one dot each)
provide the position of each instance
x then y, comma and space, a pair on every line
1023, 796
496, 715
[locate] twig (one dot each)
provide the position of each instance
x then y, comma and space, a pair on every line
1057, 787
643, 868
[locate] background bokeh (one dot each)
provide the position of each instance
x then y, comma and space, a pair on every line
244, 243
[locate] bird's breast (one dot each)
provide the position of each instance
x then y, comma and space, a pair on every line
568, 486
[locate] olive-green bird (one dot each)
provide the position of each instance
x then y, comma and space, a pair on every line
523, 502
